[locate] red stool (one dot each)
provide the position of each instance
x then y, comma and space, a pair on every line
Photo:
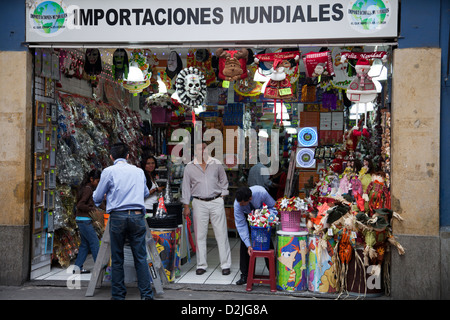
252, 278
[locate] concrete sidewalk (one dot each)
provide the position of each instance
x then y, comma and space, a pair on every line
58, 290
33, 292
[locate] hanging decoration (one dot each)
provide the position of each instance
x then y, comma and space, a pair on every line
362, 88
191, 87
138, 60
318, 64
174, 66
201, 59
232, 64
93, 65
279, 86
120, 65
248, 87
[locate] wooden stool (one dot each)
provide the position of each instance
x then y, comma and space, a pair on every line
252, 278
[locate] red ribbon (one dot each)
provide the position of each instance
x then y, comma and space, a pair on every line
191, 241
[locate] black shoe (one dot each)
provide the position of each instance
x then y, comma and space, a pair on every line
82, 271
242, 280
226, 271
200, 271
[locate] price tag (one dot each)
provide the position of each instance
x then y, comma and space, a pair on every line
285, 91
225, 84
330, 232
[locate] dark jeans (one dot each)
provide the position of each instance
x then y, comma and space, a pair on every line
128, 225
89, 242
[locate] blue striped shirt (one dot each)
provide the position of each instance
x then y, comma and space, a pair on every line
124, 185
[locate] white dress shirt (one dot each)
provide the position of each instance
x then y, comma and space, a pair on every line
207, 183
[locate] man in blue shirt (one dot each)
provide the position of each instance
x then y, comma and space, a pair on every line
125, 188
248, 199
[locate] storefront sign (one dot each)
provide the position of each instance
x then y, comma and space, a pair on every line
169, 21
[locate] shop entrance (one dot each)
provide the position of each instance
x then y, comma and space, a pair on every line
339, 139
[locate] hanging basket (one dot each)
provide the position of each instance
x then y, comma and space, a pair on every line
260, 238
290, 220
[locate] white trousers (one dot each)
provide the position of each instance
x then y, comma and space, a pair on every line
215, 211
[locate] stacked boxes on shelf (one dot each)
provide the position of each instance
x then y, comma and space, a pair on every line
233, 114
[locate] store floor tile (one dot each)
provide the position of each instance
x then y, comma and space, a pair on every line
187, 275
213, 274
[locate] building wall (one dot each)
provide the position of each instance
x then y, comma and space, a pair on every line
420, 172
15, 165
419, 166
415, 172
15, 145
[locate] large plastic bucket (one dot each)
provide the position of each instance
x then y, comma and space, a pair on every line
292, 256
260, 238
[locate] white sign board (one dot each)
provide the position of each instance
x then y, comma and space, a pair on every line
170, 21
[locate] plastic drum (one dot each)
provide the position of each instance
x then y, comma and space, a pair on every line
292, 255
322, 272
165, 240
360, 281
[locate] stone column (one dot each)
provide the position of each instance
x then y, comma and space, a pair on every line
15, 165
415, 122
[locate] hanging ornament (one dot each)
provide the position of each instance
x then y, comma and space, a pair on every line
191, 87
120, 65
138, 76
93, 65
318, 64
279, 86
362, 89
232, 64
202, 60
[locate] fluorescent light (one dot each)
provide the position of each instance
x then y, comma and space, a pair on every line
291, 130
135, 74
161, 85
263, 133
378, 71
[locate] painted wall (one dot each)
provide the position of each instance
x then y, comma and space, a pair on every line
12, 32
445, 115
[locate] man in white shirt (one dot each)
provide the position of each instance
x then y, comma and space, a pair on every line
205, 180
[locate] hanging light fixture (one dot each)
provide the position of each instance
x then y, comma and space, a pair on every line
135, 74
378, 71
138, 76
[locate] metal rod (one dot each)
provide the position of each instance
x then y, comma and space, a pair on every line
203, 44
